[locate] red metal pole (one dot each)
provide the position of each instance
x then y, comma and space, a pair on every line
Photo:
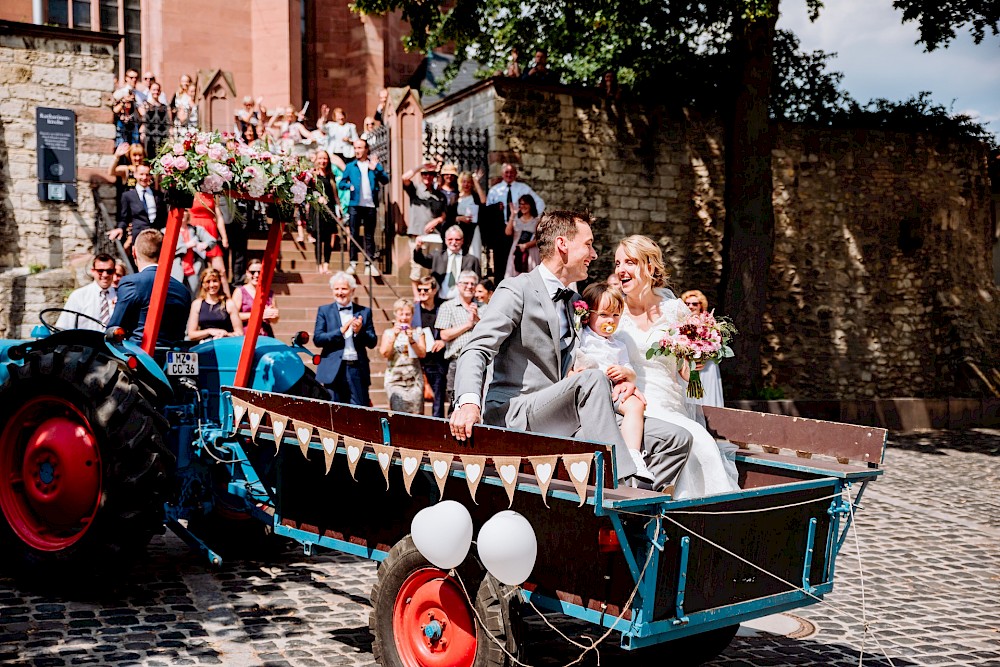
252, 328
159, 297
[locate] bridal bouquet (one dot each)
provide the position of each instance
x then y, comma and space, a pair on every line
696, 338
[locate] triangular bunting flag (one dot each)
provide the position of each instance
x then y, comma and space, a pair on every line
304, 434
440, 464
384, 455
329, 441
411, 464
578, 467
474, 466
256, 417
544, 467
239, 410
507, 468
355, 450
278, 424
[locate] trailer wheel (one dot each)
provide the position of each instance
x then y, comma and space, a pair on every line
84, 470
692, 650
421, 616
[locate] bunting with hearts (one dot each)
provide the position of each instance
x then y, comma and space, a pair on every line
304, 434
411, 459
474, 466
329, 441
239, 410
355, 448
384, 455
544, 467
278, 424
507, 468
578, 467
441, 465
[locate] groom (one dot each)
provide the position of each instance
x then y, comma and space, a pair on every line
528, 334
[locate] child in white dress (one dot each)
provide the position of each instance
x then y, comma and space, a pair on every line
598, 348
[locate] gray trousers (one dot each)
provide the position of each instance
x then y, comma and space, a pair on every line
580, 407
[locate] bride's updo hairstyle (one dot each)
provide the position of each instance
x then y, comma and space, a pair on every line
648, 258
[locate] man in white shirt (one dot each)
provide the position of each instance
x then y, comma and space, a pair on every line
505, 196
448, 263
95, 301
344, 333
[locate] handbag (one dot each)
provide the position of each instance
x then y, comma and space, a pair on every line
521, 256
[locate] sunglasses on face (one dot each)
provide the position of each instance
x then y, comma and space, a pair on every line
423, 290
105, 271
254, 273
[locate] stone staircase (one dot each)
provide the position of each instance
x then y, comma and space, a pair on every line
299, 291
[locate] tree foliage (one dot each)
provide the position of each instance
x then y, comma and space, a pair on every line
940, 20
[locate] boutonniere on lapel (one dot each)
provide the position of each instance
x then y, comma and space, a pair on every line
580, 314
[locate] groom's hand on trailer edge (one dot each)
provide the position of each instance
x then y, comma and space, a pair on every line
463, 419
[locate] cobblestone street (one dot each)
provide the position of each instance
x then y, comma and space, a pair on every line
929, 540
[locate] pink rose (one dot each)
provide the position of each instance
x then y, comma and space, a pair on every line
217, 152
178, 148
167, 162
201, 149
181, 163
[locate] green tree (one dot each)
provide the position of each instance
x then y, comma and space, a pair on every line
723, 57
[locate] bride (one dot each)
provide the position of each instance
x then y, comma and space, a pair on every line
649, 309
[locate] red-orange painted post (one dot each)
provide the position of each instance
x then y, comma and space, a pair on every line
252, 329
159, 297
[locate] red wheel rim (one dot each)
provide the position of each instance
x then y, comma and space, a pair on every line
432, 623
50, 473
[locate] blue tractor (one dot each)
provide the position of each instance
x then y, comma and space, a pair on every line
103, 442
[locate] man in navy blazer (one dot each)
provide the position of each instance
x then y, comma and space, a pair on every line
364, 176
141, 206
135, 291
345, 332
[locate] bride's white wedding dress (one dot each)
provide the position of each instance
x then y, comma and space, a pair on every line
707, 471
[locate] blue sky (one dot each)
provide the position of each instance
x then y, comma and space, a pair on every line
878, 57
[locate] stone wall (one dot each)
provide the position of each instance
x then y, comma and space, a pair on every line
52, 67
881, 284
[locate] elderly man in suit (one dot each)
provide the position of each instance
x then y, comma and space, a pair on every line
141, 206
345, 332
136, 289
448, 263
527, 333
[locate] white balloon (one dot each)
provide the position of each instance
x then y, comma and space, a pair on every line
508, 547
442, 533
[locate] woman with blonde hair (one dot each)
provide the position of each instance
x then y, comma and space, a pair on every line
212, 314
403, 348
650, 309
697, 302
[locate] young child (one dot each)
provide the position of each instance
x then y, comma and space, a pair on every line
598, 348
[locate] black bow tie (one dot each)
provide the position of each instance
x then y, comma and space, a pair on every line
562, 294
345, 308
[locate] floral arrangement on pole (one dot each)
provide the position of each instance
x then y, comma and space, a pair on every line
216, 163
699, 337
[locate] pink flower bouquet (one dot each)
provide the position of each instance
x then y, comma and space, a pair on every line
699, 337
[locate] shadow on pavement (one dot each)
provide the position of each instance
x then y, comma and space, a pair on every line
973, 441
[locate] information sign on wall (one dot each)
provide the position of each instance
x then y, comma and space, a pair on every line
56, 146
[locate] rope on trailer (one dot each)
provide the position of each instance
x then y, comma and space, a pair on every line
593, 643
862, 620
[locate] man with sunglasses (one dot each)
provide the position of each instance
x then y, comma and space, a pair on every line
96, 300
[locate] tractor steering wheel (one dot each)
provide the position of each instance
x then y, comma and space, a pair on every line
54, 329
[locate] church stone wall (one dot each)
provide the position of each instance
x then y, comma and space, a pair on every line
882, 282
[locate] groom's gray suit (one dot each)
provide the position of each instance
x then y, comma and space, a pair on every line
529, 390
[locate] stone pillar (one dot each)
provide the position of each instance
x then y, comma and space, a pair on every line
405, 119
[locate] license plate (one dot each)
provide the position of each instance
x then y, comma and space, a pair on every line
182, 363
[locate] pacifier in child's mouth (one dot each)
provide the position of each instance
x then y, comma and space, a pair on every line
608, 328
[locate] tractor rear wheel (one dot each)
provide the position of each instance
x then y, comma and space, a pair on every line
422, 617
84, 468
